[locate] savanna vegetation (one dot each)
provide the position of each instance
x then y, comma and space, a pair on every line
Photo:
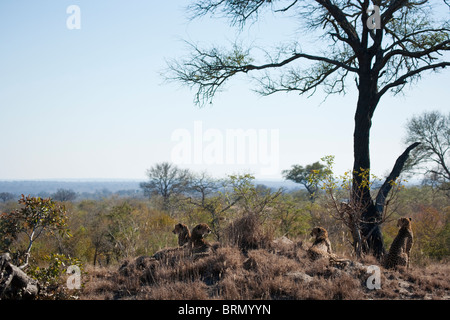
262, 235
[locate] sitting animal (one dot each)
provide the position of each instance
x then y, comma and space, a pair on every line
321, 248
195, 247
198, 245
184, 238
184, 235
198, 234
401, 246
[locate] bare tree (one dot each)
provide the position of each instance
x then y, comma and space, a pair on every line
432, 157
6, 196
64, 195
202, 185
166, 180
378, 51
205, 194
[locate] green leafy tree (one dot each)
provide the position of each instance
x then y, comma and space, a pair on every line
302, 175
252, 198
432, 232
96, 223
51, 277
404, 43
293, 216
123, 230
36, 217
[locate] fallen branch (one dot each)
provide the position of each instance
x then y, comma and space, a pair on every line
14, 283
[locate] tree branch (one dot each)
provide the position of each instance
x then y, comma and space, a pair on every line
402, 80
414, 54
287, 8
237, 11
407, 38
306, 56
209, 70
340, 17
395, 173
393, 7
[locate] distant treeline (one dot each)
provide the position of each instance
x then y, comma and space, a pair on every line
83, 189
95, 189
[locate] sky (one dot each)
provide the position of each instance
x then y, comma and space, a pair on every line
92, 103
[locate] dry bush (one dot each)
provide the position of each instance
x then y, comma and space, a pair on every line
430, 283
287, 248
248, 233
263, 262
270, 276
339, 286
434, 281
101, 283
234, 286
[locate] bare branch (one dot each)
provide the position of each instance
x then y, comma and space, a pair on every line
395, 173
239, 12
341, 19
208, 70
415, 54
402, 80
287, 8
394, 6
296, 56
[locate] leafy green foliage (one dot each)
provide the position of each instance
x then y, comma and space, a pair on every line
51, 278
35, 217
304, 175
253, 199
432, 231
293, 216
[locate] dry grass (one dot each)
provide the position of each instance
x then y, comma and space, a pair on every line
264, 273
247, 233
252, 266
101, 283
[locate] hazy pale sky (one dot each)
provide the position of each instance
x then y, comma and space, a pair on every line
91, 103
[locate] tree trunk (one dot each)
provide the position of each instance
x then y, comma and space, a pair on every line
95, 255
367, 102
371, 232
372, 218
361, 198
14, 283
372, 211
28, 252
